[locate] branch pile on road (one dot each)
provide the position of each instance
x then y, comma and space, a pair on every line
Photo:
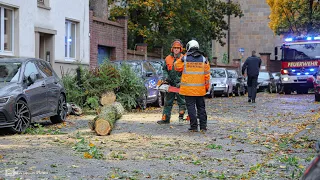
107, 116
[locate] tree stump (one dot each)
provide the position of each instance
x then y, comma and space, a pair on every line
107, 98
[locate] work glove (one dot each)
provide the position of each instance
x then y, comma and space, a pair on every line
178, 85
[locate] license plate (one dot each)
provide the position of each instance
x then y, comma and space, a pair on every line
302, 78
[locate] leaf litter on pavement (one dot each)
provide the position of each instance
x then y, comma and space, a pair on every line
266, 140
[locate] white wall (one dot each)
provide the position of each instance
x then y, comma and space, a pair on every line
29, 15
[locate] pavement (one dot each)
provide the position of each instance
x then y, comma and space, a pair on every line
271, 139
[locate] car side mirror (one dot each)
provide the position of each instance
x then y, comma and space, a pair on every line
31, 79
149, 74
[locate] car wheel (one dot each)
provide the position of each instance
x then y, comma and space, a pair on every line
22, 117
159, 102
143, 103
227, 93
238, 91
61, 112
211, 94
286, 90
317, 97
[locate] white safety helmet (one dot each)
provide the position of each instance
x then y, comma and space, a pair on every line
192, 44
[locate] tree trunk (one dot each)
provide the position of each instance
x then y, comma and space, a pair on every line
104, 122
107, 98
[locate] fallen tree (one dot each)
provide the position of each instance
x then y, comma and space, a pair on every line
104, 122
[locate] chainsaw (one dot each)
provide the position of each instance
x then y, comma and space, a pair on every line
164, 86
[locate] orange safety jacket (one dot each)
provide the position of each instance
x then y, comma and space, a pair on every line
195, 75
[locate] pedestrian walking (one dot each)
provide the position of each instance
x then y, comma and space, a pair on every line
194, 84
252, 65
173, 78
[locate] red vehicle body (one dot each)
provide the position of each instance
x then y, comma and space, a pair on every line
299, 62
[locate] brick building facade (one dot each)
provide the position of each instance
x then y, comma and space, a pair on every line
108, 39
251, 32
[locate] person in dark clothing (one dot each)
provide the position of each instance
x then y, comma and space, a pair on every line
194, 84
252, 65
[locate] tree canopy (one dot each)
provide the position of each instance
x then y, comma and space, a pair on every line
294, 16
159, 22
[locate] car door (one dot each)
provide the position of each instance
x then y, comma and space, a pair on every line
35, 92
150, 80
53, 86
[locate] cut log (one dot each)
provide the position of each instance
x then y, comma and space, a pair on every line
107, 98
102, 127
119, 109
104, 122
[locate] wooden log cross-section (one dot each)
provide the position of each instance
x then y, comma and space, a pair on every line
104, 122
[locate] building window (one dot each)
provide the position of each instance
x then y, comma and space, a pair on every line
6, 29
43, 3
70, 40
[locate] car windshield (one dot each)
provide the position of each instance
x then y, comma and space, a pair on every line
157, 66
9, 71
135, 67
233, 74
263, 75
306, 51
218, 73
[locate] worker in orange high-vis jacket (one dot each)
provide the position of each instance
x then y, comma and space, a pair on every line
173, 78
194, 84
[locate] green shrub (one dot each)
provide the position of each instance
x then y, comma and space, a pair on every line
87, 90
131, 88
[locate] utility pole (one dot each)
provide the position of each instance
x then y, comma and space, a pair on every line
229, 1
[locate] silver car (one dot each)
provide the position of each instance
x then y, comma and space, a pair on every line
29, 90
221, 81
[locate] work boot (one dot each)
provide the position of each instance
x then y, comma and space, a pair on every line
249, 100
192, 130
164, 120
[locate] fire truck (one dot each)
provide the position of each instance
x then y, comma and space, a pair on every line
300, 59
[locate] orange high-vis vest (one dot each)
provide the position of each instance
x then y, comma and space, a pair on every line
170, 60
195, 76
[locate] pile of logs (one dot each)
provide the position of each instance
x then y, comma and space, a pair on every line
109, 113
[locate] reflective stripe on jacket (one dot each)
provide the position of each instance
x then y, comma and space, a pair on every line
195, 75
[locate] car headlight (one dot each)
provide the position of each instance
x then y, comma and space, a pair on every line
265, 83
221, 84
4, 100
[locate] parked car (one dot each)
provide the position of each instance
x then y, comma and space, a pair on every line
148, 75
238, 83
221, 81
278, 88
157, 64
210, 92
29, 90
266, 82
